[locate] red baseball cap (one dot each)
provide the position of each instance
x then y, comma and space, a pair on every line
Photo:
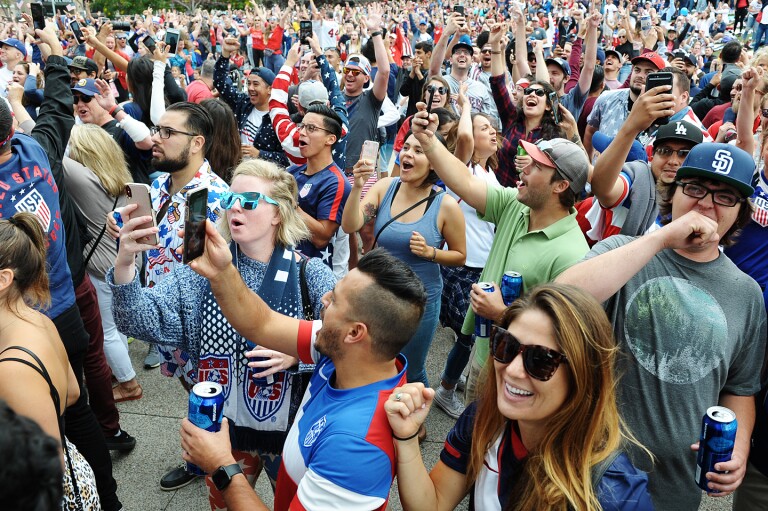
652, 57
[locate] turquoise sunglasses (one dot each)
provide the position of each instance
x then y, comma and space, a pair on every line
248, 200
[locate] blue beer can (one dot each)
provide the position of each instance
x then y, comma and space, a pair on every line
718, 435
483, 325
206, 406
511, 287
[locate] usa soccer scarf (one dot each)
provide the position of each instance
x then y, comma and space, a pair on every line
261, 412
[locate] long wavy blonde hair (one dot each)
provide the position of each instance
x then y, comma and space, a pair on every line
96, 149
291, 230
585, 430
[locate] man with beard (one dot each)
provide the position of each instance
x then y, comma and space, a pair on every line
612, 108
340, 452
95, 104
536, 229
179, 144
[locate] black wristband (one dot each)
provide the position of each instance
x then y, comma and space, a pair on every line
374, 34
406, 438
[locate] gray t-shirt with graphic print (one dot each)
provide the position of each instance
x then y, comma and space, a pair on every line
687, 332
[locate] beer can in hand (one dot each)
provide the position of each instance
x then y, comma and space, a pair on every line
483, 325
718, 435
206, 406
511, 287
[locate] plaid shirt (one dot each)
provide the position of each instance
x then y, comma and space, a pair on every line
512, 129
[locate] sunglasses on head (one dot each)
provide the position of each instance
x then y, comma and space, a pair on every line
79, 97
539, 362
530, 90
248, 200
355, 72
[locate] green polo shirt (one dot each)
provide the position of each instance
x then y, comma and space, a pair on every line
539, 256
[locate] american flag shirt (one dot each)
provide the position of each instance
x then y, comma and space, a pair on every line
160, 261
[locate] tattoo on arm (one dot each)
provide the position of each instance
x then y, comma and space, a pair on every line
369, 212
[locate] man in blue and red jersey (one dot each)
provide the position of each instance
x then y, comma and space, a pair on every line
323, 191
340, 452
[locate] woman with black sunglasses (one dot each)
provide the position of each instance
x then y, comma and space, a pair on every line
529, 119
264, 393
545, 432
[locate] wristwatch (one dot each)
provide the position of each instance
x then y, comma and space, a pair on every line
223, 475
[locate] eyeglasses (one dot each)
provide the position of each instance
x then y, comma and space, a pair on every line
80, 97
530, 90
764, 112
311, 128
667, 151
485, 52
165, 132
439, 90
539, 362
355, 72
248, 200
722, 197
738, 87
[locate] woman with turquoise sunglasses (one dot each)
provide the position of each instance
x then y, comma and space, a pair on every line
262, 394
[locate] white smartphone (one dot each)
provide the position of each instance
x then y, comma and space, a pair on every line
370, 152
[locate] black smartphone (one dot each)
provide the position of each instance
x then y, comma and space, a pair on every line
459, 8
657, 80
172, 38
121, 26
74, 26
432, 89
38, 16
554, 99
133, 42
194, 224
149, 42
305, 31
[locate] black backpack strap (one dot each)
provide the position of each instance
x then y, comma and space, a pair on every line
98, 239
429, 198
306, 303
599, 470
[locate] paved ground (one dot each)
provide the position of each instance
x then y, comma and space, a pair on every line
155, 419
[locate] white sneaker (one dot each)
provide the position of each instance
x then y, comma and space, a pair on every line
461, 385
448, 401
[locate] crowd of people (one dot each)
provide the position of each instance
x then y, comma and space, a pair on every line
367, 167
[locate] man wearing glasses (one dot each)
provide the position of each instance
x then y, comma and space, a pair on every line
323, 190
690, 324
179, 144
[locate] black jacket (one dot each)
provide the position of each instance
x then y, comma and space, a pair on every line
51, 131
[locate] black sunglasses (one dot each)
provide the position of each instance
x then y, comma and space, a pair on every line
78, 97
539, 362
530, 90
439, 90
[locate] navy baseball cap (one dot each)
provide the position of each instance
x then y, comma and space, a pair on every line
464, 42
720, 162
87, 86
562, 63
